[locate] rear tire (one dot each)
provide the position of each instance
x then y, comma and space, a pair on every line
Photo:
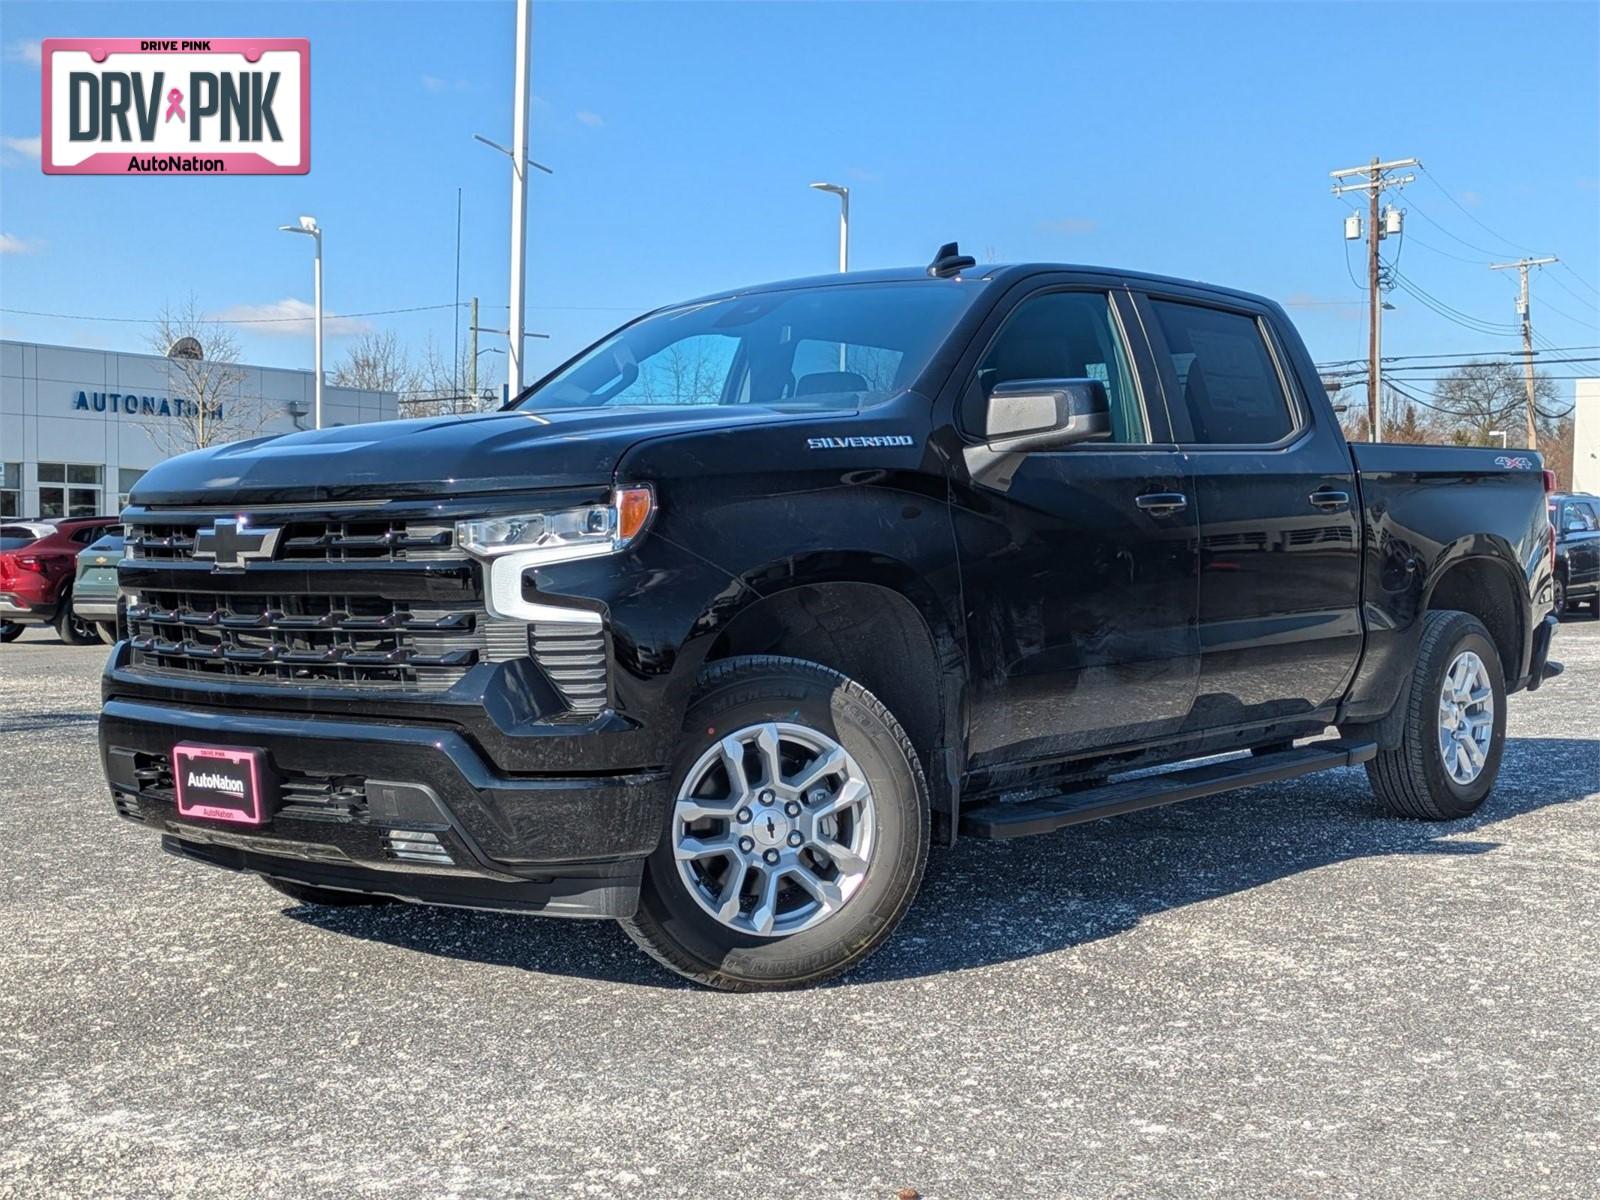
1434, 774
74, 630
847, 848
10, 631
324, 897
1560, 604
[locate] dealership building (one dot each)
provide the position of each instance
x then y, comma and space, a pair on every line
78, 427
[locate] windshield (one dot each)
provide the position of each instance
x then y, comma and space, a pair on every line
840, 347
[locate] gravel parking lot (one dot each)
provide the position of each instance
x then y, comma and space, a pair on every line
1276, 993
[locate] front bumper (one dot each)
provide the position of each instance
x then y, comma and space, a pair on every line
94, 608
354, 796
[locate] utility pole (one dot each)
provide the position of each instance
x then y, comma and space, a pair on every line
474, 368
1521, 266
1377, 179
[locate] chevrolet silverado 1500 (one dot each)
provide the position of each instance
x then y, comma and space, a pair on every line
717, 625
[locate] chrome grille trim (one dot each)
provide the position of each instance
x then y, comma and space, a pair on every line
573, 658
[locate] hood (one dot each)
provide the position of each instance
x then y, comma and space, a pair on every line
432, 456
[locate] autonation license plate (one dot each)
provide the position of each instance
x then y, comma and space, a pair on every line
219, 783
169, 106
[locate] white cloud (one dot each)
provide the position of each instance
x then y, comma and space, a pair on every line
28, 52
1069, 225
28, 147
289, 317
10, 244
438, 86
592, 119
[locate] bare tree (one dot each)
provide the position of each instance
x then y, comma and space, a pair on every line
205, 399
1483, 399
376, 362
437, 386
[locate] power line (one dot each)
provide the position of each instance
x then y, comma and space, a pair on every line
1455, 237
1333, 362
1477, 262
1567, 267
1583, 300
1469, 215
1456, 316
220, 320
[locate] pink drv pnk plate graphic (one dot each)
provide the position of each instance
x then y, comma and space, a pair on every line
154, 106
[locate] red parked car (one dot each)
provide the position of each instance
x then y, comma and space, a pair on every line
38, 560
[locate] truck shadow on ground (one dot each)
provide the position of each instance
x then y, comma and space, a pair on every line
992, 902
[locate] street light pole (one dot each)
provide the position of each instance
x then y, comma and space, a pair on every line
309, 225
844, 220
519, 197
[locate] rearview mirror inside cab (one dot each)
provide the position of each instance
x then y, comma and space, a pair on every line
1045, 414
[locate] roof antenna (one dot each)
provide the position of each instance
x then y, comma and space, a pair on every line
949, 261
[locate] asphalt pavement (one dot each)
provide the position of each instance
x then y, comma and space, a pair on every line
1275, 993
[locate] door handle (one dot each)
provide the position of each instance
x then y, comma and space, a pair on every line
1162, 504
1330, 499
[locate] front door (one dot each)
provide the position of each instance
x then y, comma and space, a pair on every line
1280, 569
1077, 564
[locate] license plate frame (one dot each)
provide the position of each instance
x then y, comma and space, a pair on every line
203, 779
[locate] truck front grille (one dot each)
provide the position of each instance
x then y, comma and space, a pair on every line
356, 541
309, 640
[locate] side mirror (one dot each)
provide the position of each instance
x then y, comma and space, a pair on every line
1046, 414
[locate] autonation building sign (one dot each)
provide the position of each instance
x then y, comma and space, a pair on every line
78, 427
130, 404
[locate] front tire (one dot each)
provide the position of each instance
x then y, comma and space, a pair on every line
1455, 725
798, 832
10, 631
1560, 599
74, 630
318, 897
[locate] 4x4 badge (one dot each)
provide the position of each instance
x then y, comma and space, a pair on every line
231, 544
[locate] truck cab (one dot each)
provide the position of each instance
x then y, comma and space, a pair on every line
718, 625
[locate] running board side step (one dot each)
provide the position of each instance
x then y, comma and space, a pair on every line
1023, 818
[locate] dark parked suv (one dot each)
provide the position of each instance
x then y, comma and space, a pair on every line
715, 627
1576, 519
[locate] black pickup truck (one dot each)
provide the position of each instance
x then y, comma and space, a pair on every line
714, 628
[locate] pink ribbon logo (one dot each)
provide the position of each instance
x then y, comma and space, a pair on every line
175, 105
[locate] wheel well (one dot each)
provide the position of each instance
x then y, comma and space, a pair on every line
870, 633
1481, 586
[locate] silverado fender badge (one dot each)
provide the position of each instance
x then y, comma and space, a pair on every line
230, 544
865, 442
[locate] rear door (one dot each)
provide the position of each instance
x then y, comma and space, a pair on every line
1279, 552
1077, 563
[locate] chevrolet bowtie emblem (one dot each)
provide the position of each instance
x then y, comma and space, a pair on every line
231, 544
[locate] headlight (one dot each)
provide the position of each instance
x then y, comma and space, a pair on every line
563, 533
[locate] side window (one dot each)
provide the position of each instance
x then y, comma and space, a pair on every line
1588, 515
1061, 335
1229, 392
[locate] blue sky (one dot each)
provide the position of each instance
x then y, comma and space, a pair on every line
1193, 139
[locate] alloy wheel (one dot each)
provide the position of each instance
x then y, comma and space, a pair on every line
1466, 717
773, 829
